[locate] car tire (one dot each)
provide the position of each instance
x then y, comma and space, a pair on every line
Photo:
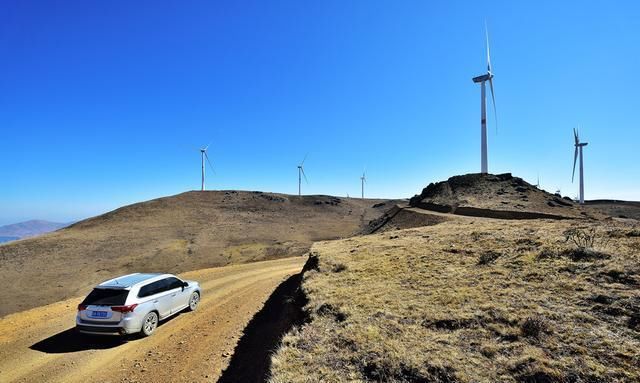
194, 300
149, 324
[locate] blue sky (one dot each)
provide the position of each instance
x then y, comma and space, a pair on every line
106, 103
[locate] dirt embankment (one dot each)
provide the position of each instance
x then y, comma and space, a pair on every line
39, 345
188, 231
404, 217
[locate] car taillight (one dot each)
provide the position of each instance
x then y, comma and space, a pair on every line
124, 309
82, 307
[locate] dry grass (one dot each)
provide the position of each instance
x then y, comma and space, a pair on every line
470, 301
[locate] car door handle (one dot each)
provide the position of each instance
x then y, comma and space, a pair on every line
156, 301
173, 295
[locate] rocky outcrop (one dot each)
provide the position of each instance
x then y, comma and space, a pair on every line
493, 195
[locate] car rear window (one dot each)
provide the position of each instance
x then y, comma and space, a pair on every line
106, 297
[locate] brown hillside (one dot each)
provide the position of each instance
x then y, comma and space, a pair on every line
185, 232
615, 208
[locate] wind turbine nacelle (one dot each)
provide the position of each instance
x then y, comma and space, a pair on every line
483, 78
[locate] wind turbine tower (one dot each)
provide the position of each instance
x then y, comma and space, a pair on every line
579, 145
203, 155
363, 180
300, 175
484, 166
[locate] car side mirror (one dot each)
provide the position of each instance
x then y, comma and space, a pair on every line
184, 284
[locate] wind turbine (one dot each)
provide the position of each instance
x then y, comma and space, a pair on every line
203, 155
579, 145
363, 180
484, 167
301, 174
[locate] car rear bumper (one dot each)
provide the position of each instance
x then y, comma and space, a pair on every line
125, 326
100, 330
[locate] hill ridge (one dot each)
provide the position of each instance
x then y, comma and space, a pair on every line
494, 196
187, 231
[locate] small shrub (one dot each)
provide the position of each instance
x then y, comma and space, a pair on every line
488, 257
534, 327
477, 235
583, 254
547, 253
339, 268
617, 276
616, 233
528, 243
576, 255
633, 233
583, 238
603, 299
540, 377
449, 324
489, 350
331, 311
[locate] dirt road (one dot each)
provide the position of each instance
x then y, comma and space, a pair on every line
39, 345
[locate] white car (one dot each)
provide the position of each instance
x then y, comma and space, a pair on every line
135, 303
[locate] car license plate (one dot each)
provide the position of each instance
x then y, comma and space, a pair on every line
99, 314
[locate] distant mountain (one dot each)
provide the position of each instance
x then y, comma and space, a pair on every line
7, 239
28, 229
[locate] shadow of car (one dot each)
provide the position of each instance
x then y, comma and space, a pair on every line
71, 340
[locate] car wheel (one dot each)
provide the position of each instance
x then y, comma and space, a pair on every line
194, 299
149, 324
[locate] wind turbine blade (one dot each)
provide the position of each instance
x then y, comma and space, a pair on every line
305, 176
575, 136
493, 100
304, 159
486, 32
209, 162
575, 157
